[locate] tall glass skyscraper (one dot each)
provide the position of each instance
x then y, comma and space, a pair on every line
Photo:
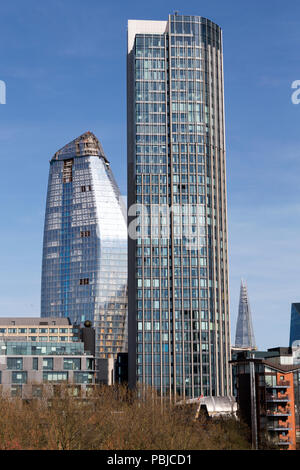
179, 326
84, 270
295, 323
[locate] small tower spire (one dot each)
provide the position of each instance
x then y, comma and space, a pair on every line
244, 337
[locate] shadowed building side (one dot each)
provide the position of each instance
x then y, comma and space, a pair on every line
295, 323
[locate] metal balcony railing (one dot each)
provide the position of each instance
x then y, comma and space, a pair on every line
280, 384
278, 397
279, 427
283, 441
278, 413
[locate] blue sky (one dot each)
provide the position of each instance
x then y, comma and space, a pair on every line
64, 64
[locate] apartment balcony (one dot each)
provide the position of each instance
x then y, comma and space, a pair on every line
277, 398
280, 384
279, 428
283, 442
278, 413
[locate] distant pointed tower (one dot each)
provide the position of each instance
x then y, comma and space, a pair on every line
244, 337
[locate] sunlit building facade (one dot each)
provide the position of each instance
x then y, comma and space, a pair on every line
84, 270
179, 326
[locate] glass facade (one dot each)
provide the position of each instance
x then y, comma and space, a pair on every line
72, 363
84, 272
15, 363
179, 327
55, 376
19, 377
244, 337
295, 323
19, 348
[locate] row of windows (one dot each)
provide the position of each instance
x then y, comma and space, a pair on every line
156, 337
52, 338
149, 64
150, 96
164, 348
145, 168
150, 75
148, 139
155, 179
179, 326
148, 129
19, 348
166, 315
150, 108
187, 86
36, 330
165, 273
154, 159
188, 63
154, 118
180, 51
165, 293
37, 390
16, 363
163, 251
184, 261
177, 199
21, 377
156, 52
184, 74
156, 165
149, 40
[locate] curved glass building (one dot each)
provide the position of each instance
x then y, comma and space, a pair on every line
179, 325
84, 269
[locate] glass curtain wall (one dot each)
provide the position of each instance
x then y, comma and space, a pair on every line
179, 314
84, 272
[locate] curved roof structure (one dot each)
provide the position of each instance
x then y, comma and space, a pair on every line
214, 405
85, 144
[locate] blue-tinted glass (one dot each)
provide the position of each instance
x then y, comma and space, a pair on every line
84, 273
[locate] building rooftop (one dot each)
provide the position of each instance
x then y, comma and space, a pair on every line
36, 321
281, 367
86, 144
215, 406
144, 27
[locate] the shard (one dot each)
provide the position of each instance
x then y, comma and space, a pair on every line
244, 337
84, 271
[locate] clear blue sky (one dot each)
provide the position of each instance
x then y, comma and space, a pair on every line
64, 64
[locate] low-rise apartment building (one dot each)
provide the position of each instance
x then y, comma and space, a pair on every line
267, 391
36, 354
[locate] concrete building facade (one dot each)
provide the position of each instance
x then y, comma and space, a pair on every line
33, 363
